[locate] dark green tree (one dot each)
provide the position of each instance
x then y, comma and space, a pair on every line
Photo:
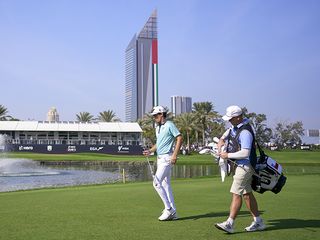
205, 116
263, 133
288, 134
186, 123
147, 125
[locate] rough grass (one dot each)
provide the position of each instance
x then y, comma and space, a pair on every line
130, 211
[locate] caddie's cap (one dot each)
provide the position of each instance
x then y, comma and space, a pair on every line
232, 111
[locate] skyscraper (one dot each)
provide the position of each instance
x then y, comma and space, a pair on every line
180, 105
141, 71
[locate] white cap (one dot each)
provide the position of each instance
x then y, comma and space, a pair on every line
232, 111
158, 109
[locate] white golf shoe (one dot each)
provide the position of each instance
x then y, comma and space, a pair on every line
175, 216
256, 226
225, 226
168, 214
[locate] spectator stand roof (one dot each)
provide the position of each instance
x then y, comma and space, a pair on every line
69, 126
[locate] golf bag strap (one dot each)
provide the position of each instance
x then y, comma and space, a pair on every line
253, 154
249, 128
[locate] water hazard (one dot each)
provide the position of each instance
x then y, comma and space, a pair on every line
23, 174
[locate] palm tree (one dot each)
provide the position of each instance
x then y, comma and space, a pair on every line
205, 115
216, 128
3, 113
186, 123
147, 125
108, 116
84, 117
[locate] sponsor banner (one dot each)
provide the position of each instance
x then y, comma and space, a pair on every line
25, 148
63, 148
96, 149
123, 149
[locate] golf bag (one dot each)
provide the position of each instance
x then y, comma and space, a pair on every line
269, 176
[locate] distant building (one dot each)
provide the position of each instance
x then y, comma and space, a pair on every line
70, 137
141, 71
180, 105
52, 115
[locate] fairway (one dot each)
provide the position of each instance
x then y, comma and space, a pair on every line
130, 211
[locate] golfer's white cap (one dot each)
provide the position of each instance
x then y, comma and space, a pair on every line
232, 111
158, 109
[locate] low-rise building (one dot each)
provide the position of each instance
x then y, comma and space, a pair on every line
70, 136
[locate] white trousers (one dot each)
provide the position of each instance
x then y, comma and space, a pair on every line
161, 182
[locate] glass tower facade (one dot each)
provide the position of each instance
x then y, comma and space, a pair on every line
181, 105
131, 81
141, 71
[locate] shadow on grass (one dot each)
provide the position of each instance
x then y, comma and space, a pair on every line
292, 223
281, 224
216, 214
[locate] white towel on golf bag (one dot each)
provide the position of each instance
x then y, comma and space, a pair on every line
223, 164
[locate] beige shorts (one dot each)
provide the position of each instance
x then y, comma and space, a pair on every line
242, 180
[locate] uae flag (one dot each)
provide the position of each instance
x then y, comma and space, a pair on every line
155, 70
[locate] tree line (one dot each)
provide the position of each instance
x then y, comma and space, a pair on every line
201, 125
105, 116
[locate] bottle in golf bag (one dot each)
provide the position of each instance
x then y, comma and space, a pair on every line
269, 176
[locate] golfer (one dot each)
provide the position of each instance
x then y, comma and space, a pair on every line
167, 134
241, 133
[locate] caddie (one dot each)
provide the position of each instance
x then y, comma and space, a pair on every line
240, 147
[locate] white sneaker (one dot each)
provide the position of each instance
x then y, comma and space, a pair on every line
175, 216
256, 226
167, 215
225, 226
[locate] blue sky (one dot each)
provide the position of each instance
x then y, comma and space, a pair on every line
264, 55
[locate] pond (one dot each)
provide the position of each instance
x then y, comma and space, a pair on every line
23, 174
